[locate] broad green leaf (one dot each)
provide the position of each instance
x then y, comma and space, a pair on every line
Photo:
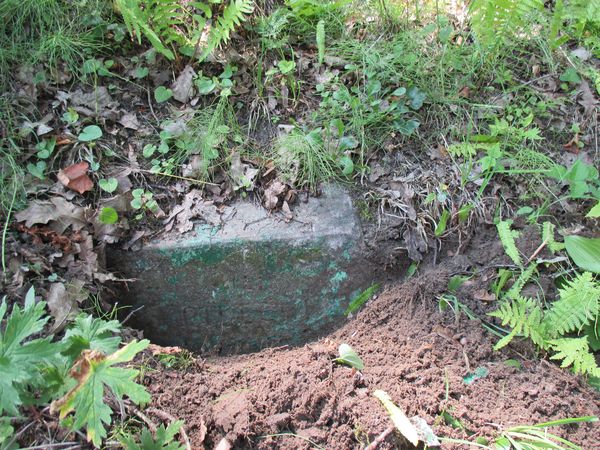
70, 116
140, 72
401, 422
108, 215
406, 127
361, 299
571, 76
162, 94
285, 66
594, 212
349, 357
585, 252
90, 133
94, 373
37, 169
416, 97
148, 150
108, 184
205, 85
347, 165
441, 226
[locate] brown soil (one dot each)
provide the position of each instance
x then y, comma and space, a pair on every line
410, 350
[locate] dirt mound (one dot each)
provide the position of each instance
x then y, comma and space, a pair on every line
410, 350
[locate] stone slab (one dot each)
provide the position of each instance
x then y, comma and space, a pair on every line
255, 281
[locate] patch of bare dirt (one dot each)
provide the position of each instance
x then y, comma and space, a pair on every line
410, 350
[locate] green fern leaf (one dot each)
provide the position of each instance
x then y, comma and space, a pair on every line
233, 15
575, 352
494, 20
577, 306
524, 316
507, 237
517, 287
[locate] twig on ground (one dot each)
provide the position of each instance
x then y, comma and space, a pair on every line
537, 251
379, 439
151, 425
55, 445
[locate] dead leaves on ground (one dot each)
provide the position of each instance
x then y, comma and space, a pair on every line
75, 177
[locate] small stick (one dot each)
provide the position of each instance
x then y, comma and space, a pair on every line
537, 251
379, 439
151, 425
166, 416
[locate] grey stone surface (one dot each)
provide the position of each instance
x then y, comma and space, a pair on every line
254, 281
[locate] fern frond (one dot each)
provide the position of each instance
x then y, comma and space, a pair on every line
524, 316
137, 21
548, 237
575, 352
507, 237
517, 287
494, 20
577, 306
233, 15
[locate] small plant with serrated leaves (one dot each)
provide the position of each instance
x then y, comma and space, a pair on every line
74, 373
164, 439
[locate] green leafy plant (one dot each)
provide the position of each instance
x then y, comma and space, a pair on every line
94, 372
22, 360
143, 200
585, 252
507, 237
583, 179
302, 159
321, 40
90, 133
167, 23
162, 94
108, 215
362, 298
349, 357
74, 372
495, 20
164, 439
577, 307
529, 437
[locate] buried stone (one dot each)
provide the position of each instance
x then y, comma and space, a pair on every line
252, 282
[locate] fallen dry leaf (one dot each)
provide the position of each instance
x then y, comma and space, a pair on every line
484, 296
192, 207
75, 177
242, 174
62, 304
183, 88
160, 350
588, 100
60, 213
272, 193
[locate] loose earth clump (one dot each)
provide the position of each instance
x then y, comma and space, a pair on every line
295, 398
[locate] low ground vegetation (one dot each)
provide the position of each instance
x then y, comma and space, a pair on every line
444, 116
